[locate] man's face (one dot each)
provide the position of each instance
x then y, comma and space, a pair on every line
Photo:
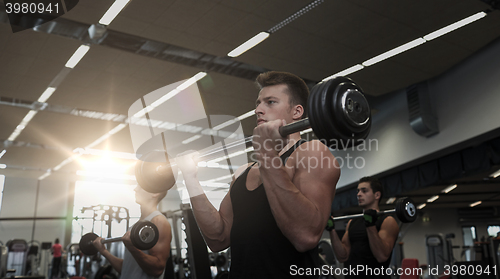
365, 194
273, 103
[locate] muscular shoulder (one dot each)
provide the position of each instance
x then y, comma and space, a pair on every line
315, 154
390, 223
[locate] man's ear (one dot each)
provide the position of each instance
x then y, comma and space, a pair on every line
298, 111
378, 195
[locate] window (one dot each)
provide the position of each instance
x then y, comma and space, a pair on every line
493, 230
469, 233
89, 194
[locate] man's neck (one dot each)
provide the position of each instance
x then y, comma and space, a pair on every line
147, 210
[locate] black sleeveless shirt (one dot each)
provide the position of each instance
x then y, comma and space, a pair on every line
361, 253
258, 247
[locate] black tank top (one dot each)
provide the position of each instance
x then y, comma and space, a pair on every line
361, 253
258, 247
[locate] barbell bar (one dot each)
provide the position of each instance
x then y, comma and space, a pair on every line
144, 236
405, 211
339, 115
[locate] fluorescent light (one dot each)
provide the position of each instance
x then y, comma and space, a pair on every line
393, 52
116, 129
191, 81
28, 118
193, 138
77, 56
170, 94
44, 175
346, 72
495, 174
449, 189
255, 40
3, 166
454, 26
421, 206
431, 199
475, 203
3, 152
246, 115
113, 11
390, 200
46, 94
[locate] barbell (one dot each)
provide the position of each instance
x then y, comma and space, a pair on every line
405, 211
144, 236
339, 115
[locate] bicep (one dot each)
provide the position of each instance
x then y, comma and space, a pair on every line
317, 180
162, 248
389, 231
345, 239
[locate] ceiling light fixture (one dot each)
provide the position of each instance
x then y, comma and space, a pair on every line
46, 94
3, 166
495, 174
390, 200
113, 11
422, 206
346, 72
432, 199
475, 203
394, 52
449, 188
255, 40
454, 26
410, 45
77, 56
3, 153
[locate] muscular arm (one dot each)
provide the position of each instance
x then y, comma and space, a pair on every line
382, 242
154, 263
115, 262
342, 249
301, 204
214, 225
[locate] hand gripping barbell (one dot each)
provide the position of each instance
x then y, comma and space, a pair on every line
144, 235
339, 115
405, 211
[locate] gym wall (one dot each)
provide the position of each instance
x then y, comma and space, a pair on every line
461, 116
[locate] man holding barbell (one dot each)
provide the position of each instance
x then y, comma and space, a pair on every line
368, 241
276, 209
138, 264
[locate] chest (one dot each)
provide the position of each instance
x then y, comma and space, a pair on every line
254, 179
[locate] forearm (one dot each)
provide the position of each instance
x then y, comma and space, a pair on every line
115, 262
338, 247
380, 250
151, 265
208, 218
297, 217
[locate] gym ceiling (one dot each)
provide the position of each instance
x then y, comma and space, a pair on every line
197, 35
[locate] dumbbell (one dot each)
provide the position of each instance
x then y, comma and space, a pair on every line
144, 235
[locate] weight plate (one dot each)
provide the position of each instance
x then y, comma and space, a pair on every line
144, 235
149, 178
86, 246
406, 210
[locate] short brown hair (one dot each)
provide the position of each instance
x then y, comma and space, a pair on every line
298, 91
